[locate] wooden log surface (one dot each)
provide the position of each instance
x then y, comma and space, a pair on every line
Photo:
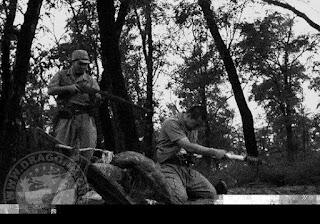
104, 182
149, 169
106, 178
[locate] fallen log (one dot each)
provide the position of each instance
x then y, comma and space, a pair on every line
106, 185
103, 177
149, 170
108, 180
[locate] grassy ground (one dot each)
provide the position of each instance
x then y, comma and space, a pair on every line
280, 176
274, 190
301, 177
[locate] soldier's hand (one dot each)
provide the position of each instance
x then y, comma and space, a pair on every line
220, 153
86, 89
74, 88
96, 100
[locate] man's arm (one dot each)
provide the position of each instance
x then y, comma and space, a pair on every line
90, 88
96, 86
55, 89
177, 135
199, 149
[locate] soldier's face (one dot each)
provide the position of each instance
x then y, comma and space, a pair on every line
80, 67
193, 124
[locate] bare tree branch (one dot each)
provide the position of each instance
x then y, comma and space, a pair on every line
295, 11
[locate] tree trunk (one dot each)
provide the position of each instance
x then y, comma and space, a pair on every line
11, 124
247, 119
289, 132
147, 49
208, 161
23, 54
106, 127
288, 106
304, 135
6, 74
11, 120
289, 140
148, 133
110, 33
5, 49
207, 130
6, 78
110, 129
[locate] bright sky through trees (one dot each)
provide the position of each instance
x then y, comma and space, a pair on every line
311, 8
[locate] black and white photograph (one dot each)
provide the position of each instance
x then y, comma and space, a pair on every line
161, 104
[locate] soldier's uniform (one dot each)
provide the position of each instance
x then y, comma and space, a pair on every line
184, 181
75, 122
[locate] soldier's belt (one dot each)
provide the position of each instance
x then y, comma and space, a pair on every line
80, 108
179, 160
69, 112
78, 112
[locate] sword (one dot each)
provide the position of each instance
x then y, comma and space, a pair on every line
112, 97
245, 158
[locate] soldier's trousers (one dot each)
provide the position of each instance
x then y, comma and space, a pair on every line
187, 184
80, 132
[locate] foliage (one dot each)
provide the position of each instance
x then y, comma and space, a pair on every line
315, 81
315, 132
135, 48
37, 111
200, 80
271, 54
304, 171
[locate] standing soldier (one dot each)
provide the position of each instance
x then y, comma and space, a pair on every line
76, 101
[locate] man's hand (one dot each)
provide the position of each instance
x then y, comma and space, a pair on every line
219, 153
74, 88
86, 89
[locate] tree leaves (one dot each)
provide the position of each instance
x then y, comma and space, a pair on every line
271, 54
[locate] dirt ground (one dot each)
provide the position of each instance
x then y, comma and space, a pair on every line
259, 188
